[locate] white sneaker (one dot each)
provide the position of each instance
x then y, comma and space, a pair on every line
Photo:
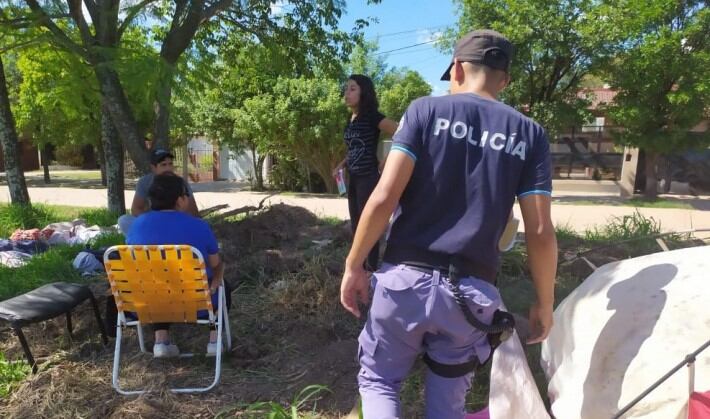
165, 350
212, 349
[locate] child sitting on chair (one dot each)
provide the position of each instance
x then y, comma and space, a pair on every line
168, 222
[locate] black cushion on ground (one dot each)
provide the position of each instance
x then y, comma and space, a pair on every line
43, 303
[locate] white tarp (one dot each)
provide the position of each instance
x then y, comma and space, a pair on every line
622, 329
513, 393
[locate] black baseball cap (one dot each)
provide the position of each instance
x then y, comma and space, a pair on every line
159, 155
483, 46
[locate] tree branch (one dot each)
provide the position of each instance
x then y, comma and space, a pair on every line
133, 12
574, 79
60, 37
248, 29
242, 210
18, 45
182, 30
217, 7
78, 16
93, 11
179, 9
27, 21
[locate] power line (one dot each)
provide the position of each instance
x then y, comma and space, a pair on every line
409, 46
425, 48
385, 35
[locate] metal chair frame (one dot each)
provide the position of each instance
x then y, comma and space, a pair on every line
163, 270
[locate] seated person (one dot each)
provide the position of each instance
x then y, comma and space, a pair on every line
161, 162
170, 223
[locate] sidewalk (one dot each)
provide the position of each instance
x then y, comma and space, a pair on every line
576, 217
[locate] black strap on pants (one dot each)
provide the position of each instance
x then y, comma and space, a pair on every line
500, 329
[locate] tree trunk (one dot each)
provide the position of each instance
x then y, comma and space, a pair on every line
116, 103
102, 162
44, 155
260, 172
11, 152
161, 132
651, 190
258, 167
186, 21
330, 185
666, 174
324, 168
113, 151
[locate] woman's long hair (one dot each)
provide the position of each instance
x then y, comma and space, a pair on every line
368, 98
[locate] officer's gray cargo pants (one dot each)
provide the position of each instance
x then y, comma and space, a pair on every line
414, 312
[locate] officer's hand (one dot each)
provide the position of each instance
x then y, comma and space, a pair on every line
354, 288
540, 322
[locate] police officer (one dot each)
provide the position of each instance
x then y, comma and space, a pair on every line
456, 165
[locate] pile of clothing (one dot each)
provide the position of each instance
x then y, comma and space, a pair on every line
72, 232
23, 244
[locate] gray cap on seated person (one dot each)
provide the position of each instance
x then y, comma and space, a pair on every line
158, 155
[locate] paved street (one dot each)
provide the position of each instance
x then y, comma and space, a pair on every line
577, 217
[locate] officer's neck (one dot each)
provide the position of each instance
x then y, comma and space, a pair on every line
478, 86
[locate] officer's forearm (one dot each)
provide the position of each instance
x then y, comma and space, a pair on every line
373, 221
542, 259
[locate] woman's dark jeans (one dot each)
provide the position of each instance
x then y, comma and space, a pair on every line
360, 188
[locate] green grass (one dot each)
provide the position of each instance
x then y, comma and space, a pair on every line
657, 203
565, 234
108, 240
55, 264
633, 202
333, 221
98, 216
11, 374
51, 266
13, 216
623, 228
273, 410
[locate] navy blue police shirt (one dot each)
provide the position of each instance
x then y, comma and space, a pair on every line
361, 137
472, 156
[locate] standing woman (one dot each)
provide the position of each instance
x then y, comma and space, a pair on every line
362, 135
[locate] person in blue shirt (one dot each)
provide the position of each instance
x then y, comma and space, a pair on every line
161, 162
456, 165
169, 222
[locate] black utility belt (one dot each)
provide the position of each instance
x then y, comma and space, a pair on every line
428, 261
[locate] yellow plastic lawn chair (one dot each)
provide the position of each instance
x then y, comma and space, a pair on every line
162, 284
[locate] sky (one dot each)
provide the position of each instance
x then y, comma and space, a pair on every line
403, 23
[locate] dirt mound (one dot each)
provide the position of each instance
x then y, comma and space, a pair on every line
278, 240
